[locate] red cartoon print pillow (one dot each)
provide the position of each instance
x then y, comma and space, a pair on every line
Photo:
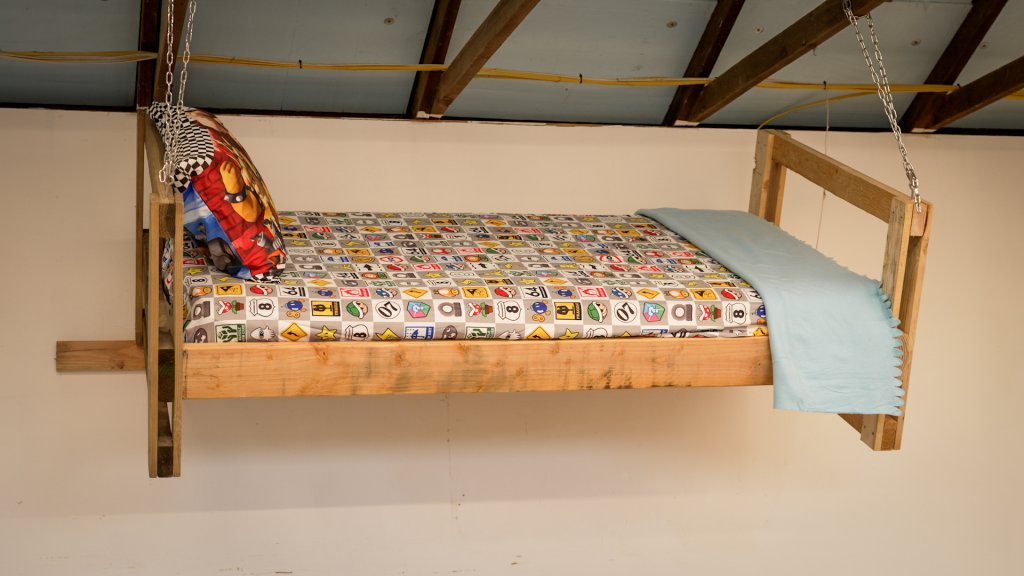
228, 209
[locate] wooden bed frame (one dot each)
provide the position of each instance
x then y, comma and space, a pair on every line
176, 371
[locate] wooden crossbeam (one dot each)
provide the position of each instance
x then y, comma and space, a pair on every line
787, 46
947, 69
702, 62
435, 50
972, 97
99, 355
159, 79
491, 34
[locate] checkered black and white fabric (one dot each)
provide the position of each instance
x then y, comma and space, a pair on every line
195, 146
388, 276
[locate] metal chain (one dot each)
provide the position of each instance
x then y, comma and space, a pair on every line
179, 108
881, 80
165, 171
175, 112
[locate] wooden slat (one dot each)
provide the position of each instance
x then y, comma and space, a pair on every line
435, 50
492, 33
798, 39
917, 255
769, 180
855, 187
164, 445
140, 246
367, 368
154, 161
947, 69
990, 88
99, 355
702, 62
178, 333
159, 77
145, 71
152, 332
897, 242
894, 266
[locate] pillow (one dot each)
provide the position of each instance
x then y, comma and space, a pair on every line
228, 210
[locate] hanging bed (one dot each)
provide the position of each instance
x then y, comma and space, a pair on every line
389, 361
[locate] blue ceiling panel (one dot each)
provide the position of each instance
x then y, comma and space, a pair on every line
604, 39
321, 31
912, 36
68, 26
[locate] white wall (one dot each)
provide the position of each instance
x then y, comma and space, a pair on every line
613, 482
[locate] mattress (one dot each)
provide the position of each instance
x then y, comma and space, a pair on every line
432, 276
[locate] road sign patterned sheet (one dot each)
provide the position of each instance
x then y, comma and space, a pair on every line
431, 276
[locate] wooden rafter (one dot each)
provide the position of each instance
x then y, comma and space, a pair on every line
159, 83
952, 62
801, 37
435, 50
149, 31
491, 34
704, 57
991, 87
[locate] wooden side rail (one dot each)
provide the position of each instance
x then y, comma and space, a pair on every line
163, 339
905, 252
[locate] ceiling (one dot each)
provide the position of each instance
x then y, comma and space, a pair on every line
587, 39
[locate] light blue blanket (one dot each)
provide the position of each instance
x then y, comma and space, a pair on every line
834, 341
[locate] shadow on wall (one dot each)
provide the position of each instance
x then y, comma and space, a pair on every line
389, 450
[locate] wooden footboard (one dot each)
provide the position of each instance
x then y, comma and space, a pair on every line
905, 250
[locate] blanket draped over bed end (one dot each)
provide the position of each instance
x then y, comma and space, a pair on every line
834, 341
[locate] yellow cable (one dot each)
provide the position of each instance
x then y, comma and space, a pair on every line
811, 105
81, 57
493, 73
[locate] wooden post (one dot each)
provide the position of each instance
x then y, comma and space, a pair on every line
140, 270
177, 334
769, 181
153, 332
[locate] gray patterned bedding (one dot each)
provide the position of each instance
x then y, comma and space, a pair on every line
390, 276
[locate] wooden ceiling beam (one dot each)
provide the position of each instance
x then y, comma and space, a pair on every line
972, 97
491, 34
145, 71
435, 50
787, 46
704, 57
160, 75
968, 37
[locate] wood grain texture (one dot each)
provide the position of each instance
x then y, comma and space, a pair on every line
152, 317
492, 33
370, 368
435, 50
99, 355
140, 238
947, 69
855, 187
769, 180
972, 97
913, 283
149, 30
702, 62
786, 47
894, 263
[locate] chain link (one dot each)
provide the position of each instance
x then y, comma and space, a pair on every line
881, 80
175, 112
165, 171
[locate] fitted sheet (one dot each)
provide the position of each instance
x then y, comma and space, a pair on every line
429, 276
